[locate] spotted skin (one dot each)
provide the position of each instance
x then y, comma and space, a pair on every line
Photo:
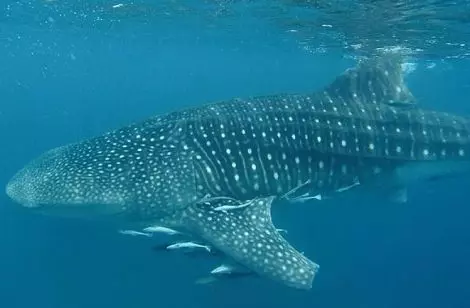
252, 240
363, 128
270, 145
138, 170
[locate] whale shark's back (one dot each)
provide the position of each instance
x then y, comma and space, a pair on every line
367, 112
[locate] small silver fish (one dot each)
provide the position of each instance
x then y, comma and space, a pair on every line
282, 231
135, 233
230, 270
189, 246
347, 187
305, 197
225, 208
160, 229
224, 269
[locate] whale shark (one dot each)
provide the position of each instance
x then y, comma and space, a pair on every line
215, 170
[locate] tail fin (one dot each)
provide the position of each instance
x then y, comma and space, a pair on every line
376, 80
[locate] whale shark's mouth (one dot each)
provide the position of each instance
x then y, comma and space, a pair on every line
88, 211
21, 194
32, 205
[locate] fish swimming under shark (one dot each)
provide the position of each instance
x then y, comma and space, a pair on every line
215, 170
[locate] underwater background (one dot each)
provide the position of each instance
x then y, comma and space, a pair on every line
70, 70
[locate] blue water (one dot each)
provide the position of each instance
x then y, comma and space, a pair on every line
72, 70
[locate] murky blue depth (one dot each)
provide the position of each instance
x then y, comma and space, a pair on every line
70, 70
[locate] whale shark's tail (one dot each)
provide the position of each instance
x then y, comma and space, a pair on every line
376, 80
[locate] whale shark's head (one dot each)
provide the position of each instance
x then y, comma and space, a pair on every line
62, 180
119, 173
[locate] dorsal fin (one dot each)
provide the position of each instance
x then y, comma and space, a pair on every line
375, 80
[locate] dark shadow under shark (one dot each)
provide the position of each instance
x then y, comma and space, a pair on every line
215, 170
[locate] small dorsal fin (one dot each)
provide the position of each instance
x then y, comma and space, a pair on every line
376, 80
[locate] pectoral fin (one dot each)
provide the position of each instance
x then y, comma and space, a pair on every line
249, 237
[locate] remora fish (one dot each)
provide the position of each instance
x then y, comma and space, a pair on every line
176, 169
